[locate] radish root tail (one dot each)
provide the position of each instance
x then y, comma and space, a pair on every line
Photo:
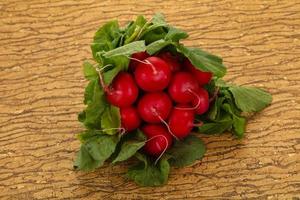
196, 106
165, 149
165, 123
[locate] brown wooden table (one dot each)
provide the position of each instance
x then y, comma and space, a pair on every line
42, 46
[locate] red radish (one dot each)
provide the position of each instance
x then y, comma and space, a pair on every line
181, 121
136, 57
201, 76
123, 91
159, 140
171, 60
182, 86
153, 74
130, 118
202, 99
154, 107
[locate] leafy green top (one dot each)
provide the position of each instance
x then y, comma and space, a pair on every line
232, 101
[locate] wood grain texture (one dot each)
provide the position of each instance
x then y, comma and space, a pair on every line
43, 44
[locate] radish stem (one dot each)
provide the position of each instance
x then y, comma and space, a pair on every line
199, 124
196, 106
215, 94
104, 87
145, 62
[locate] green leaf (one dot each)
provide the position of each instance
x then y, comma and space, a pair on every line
133, 138
224, 115
143, 158
128, 149
88, 134
95, 150
175, 34
101, 147
239, 123
227, 95
109, 75
84, 161
250, 99
85, 135
156, 30
203, 60
106, 38
221, 83
89, 92
135, 29
89, 70
81, 116
95, 107
217, 127
119, 63
147, 174
152, 35
159, 20
210, 87
172, 37
239, 126
128, 28
126, 50
214, 111
186, 152
111, 120
140, 21
140, 135
157, 46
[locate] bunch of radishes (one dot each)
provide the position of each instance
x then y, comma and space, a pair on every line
160, 95
139, 105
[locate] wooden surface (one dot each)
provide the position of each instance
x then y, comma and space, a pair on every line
42, 46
